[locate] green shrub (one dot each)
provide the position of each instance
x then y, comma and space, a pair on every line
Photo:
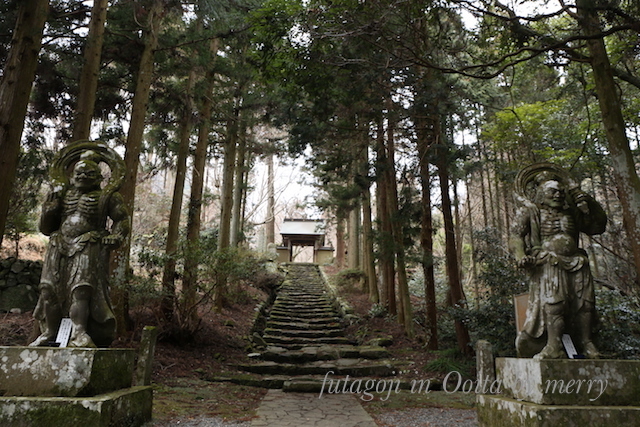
450, 360
377, 310
499, 280
618, 332
349, 280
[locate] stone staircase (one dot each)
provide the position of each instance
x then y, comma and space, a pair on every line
304, 338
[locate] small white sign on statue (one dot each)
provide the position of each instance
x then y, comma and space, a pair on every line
569, 347
64, 333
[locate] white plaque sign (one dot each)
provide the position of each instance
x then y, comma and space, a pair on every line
64, 333
569, 347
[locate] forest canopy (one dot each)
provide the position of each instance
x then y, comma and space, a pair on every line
412, 119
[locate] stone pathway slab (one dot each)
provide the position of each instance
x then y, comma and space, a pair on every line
284, 409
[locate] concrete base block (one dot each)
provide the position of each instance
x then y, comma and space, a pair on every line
570, 382
49, 371
129, 407
502, 411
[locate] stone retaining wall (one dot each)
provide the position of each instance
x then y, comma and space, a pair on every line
19, 281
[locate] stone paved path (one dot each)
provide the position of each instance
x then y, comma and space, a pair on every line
305, 340
283, 409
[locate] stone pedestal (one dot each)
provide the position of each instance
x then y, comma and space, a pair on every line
64, 372
127, 407
563, 392
71, 386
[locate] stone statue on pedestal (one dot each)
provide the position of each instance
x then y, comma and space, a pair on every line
75, 216
553, 210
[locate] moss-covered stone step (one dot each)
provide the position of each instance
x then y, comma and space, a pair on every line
293, 290
298, 294
302, 301
324, 352
302, 307
301, 333
306, 299
304, 320
302, 355
303, 325
271, 381
341, 367
303, 314
281, 340
309, 383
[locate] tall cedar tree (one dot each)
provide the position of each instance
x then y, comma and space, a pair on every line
15, 88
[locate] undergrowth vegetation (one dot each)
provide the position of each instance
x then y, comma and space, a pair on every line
228, 271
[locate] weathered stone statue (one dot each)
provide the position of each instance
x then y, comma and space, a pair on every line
553, 211
74, 280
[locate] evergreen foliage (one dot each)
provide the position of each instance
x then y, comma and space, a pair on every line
406, 81
22, 217
494, 318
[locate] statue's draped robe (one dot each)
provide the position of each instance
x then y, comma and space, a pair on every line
80, 261
556, 278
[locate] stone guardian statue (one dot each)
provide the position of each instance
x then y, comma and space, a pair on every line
552, 212
75, 215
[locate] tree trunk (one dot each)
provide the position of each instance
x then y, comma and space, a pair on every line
426, 235
405, 314
386, 235
238, 188
368, 261
271, 218
90, 70
354, 237
190, 280
226, 202
497, 201
15, 89
483, 192
492, 213
506, 202
120, 256
457, 223
340, 243
624, 171
472, 243
171, 248
453, 271
246, 171
226, 198
367, 247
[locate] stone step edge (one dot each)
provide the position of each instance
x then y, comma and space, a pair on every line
304, 333
299, 315
302, 326
282, 340
320, 320
326, 352
380, 368
308, 384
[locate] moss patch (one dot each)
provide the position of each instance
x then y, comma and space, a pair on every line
187, 396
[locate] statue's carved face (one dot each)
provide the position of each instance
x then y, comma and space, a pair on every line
86, 175
553, 194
